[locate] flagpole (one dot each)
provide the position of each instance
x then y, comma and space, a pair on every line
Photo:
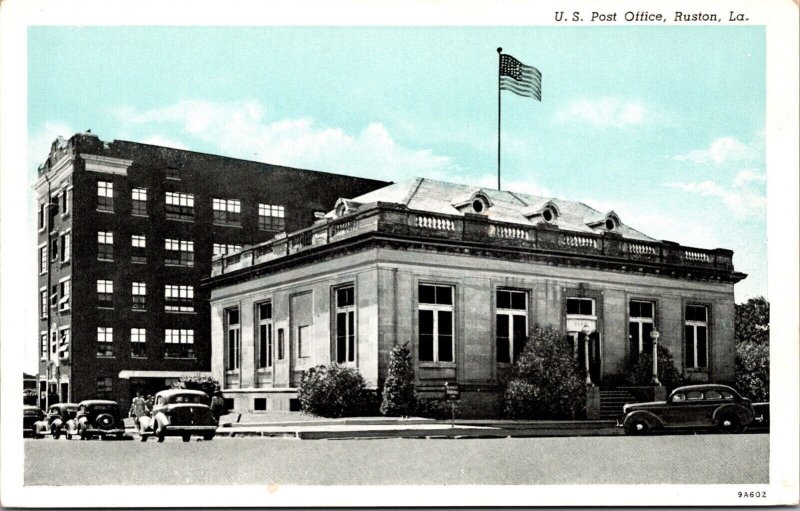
499, 54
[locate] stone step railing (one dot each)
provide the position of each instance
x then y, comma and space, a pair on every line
398, 220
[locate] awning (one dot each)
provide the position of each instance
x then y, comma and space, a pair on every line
127, 374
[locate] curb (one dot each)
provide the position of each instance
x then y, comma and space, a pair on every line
443, 432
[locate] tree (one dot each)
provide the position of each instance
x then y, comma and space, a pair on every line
333, 391
399, 398
752, 348
641, 372
207, 384
545, 382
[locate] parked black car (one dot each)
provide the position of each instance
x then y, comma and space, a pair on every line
693, 406
55, 423
179, 412
96, 418
30, 416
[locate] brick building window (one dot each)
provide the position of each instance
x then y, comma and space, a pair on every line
264, 334
512, 324
65, 200
696, 336
54, 295
233, 339
178, 343
641, 320
221, 248
178, 298
179, 206
227, 211
105, 246
172, 173
138, 343
180, 252
64, 291
63, 342
138, 248
139, 201
42, 214
54, 249
105, 341
104, 388
105, 196
43, 260
43, 345
105, 293
271, 217
43, 303
66, 246
280, 344
345, 324
435, 323
139, 295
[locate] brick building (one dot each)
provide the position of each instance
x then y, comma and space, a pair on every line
462, 274
125, 233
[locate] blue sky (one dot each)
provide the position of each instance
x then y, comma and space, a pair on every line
665, 125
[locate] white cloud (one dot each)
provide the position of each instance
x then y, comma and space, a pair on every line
242, 129
605, 112
721, 150
746, 177
740, 203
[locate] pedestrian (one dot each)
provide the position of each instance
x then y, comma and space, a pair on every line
217, 405
149, 402
138, 408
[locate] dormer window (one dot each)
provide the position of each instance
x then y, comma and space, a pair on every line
609, 222
543, 213
478, 206
345, 207
549, 215
476, 202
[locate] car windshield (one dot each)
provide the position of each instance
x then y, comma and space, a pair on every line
677, 398
30, 413
713, 394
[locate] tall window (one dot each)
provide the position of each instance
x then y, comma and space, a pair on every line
43, 302
105, 341
696, 336
179, 206
105, 196
63, 342
139, 201
345, 324
227, 211
435, 323
54, 295
43, 345
42, 215
139, 295
640, 324
178, 298
233, 339
264, 334
63, 303
66, 246
179, 252
54, 249
105, 293
43, 259
138, 248
271, 217
65, 196
138, 342
105, 245
512, 324
179, 343
221, 248
280, 344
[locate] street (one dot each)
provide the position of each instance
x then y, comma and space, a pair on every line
667, 459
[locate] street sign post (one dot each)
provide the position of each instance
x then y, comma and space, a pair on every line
452, 393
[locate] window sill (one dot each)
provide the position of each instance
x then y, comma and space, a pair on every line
180, 312
109, 211
65, 215
138, 310
65, 262
231, 372
178, 265
437, 365
140, 215
697, 370
264, 370
138, 262
106, 307
103, 259
219, 224
106, 356
179, 358
187, 220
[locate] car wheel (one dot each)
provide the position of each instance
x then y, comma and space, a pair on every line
84, 435
186, 438
729, 423
56, 434
68, 435
208, 436
637, 427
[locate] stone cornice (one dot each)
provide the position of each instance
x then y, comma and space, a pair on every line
106, 164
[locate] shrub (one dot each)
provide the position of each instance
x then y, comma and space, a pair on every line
332, 391
545, 383
399, 398
435, 408
641, 372
207, 384
752, 370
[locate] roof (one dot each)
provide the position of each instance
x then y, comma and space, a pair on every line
98, 402
172, 392
64, 405
504, 206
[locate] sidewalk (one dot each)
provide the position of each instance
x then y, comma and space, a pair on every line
301, 426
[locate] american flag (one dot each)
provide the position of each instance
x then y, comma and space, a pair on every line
519, 78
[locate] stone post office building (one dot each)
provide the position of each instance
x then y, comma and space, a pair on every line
462, 274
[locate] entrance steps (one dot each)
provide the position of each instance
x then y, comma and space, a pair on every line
612, 401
